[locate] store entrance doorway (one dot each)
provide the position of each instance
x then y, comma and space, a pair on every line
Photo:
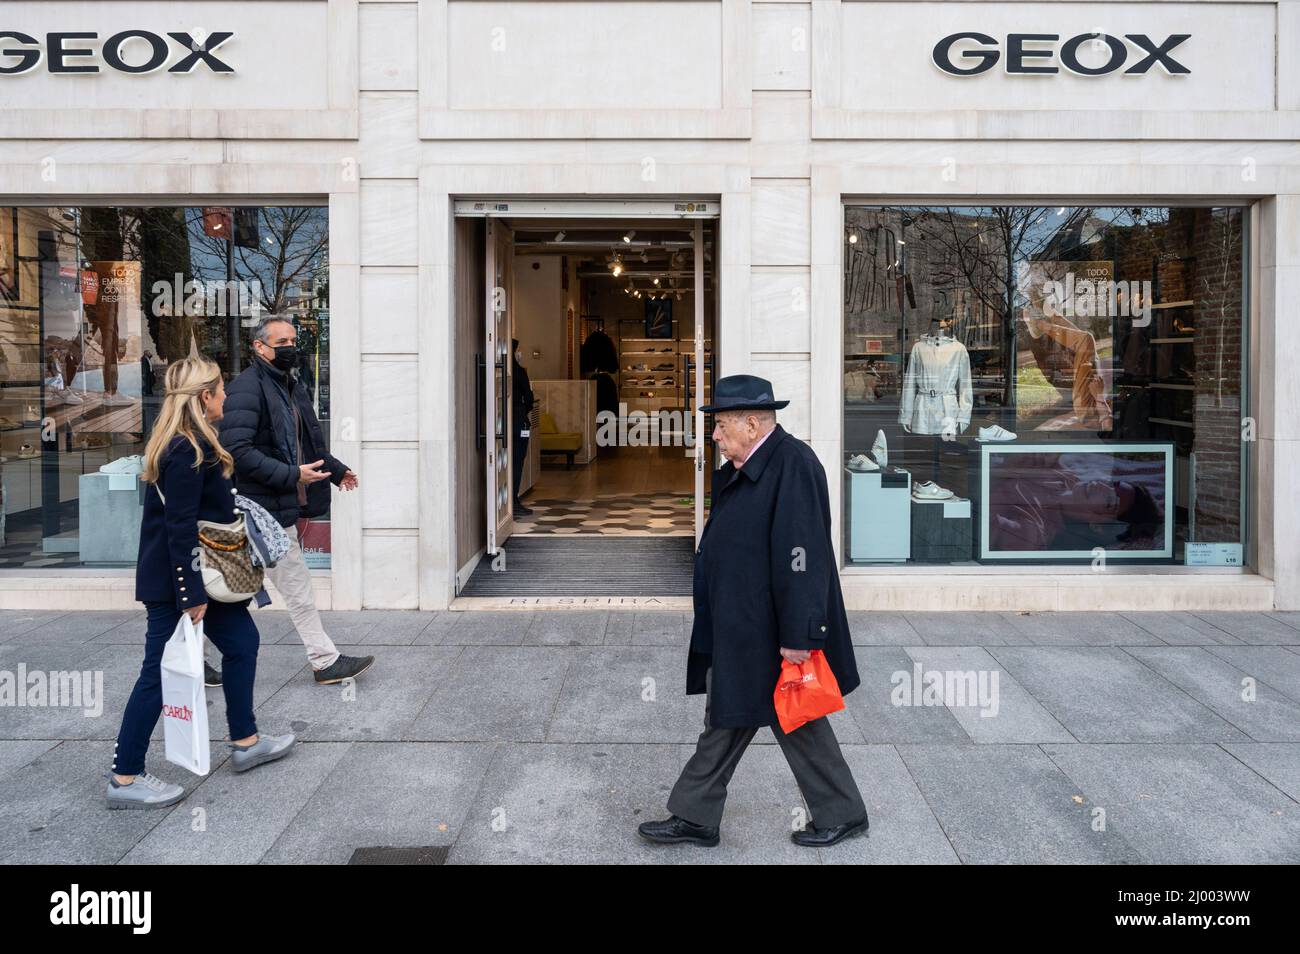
603, 314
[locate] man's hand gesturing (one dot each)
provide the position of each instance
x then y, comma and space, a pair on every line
309, 474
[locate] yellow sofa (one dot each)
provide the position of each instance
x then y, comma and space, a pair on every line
555, 441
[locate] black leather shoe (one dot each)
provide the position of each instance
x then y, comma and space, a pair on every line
345, 667
814, 837
211, 675
674, 830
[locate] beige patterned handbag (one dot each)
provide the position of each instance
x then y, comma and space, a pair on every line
226, 560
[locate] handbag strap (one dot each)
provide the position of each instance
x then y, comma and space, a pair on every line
223, 547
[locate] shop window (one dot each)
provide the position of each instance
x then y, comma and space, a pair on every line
1044, 384
95, 302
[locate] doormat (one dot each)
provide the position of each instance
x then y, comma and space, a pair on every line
428, 855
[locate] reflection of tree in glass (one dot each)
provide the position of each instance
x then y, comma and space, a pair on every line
979, 250
290, 247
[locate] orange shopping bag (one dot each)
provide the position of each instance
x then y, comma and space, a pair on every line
806, 691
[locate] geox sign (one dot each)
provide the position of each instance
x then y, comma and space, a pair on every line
130, 51
1037, 54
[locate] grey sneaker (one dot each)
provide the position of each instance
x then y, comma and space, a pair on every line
147, 791
267, 748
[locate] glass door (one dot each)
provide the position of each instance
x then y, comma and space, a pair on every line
497, 330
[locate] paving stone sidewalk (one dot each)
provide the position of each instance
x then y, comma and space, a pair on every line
548, 736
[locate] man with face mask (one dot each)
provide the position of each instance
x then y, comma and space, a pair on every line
281, 462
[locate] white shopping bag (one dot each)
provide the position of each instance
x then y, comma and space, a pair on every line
185, 707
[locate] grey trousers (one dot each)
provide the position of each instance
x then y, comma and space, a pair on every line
811, 750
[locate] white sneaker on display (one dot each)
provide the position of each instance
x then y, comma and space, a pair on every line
133, 464
117, 399
880, 450
862, 464
995, 434
53, 397
930, 491
72, 397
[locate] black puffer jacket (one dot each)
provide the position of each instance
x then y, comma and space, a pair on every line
252, 430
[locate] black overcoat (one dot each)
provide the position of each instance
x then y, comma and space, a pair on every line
766, 578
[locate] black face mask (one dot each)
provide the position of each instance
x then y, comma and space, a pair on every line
286, 357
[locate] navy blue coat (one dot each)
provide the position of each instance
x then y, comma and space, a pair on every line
754, 593
252, 429
166, 569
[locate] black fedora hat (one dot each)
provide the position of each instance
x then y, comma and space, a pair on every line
743, 392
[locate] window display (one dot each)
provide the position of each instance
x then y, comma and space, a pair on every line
95, 302
1053, 383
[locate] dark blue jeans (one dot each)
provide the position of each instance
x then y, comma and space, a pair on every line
230, 627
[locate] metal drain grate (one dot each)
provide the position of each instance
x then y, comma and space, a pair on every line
427, 855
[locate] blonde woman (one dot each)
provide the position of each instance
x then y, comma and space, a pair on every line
186, 462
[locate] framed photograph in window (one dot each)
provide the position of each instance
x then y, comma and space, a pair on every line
1074, 500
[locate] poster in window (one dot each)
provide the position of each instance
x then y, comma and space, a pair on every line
1064, 345
9, 255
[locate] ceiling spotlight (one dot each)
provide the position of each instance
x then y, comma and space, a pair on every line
900, 241
656, 279
853, 238
644, 256
616, 266
628, 236
559, 236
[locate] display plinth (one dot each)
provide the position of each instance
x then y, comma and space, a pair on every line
880, 529
110, 519
942, 531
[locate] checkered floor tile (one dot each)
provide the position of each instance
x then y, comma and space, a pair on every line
613, 514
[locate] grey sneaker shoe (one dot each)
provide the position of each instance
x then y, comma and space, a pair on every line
147, 791
267, 748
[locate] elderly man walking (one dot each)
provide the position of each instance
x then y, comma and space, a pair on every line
766, 587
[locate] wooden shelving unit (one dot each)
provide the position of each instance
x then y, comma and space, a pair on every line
654, 388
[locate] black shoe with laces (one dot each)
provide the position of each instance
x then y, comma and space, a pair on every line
674, 830
211, 675
345, 667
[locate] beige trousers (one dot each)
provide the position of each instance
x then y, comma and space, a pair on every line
292, 580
